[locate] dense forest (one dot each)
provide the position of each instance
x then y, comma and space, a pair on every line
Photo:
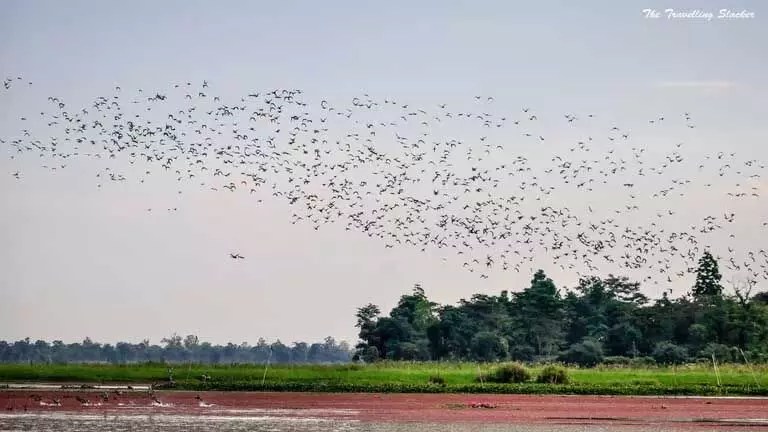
174, 349
600, 320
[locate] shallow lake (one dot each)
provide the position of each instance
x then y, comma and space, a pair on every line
265, 421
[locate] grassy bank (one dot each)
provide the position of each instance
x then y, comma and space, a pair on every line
405, 377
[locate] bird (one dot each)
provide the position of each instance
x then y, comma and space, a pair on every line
360, 165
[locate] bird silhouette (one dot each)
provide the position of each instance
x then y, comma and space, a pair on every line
395, 172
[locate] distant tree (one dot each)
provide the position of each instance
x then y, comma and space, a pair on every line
722, 353
191, 342
761, 297
587, 353
280, 352
624, 290
489, 346
622, 339
708, 278
450, 336
370, 355
91, 350
366, 323
540, 316
408, 323
300, 352
669, 353
416, 310
405, 350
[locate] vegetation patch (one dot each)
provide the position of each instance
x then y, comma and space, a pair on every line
414, 377
437, 379
553, 375
509, 374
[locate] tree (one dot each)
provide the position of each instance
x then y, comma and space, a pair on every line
761, 297
366, 322
300, 352
407, 323
191, 342
415, 309
624, 290
281, 353
370, 355
669, 353
622, 340
588, 353
489, 346
451, 335
174, 350
540, 315
708, 278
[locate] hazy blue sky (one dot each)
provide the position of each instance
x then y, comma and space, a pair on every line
77, 262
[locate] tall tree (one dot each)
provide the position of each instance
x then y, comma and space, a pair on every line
707, 287
540, 315
366, 322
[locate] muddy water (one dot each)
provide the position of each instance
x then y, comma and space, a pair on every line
265, 421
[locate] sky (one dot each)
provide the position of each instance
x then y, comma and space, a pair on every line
77, 262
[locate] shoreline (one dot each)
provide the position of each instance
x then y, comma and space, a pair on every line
401, 408
529, 389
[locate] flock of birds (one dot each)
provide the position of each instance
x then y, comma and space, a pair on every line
465, 180
116, 396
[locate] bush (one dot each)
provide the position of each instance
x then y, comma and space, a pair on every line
553, 375
509, 374
669, 353
588, 353
756, 357
723, 353
644, 382
617, 361
437, 379
640, 362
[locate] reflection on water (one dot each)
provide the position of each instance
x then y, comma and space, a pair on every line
166, 422
46, 386
68, 422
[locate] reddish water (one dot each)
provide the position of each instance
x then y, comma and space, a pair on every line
662, 413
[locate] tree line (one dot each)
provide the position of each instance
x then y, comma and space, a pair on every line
174, 349
599, 320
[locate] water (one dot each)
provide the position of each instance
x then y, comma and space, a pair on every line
268, 421
45, 386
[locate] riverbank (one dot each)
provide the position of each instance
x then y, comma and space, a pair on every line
401, 377
404, 408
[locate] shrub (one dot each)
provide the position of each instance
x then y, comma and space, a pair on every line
509, 374
553, 375
617, 361
756, 357
437, 379
644, 382
588, 353
669, 353
642, 362
723, 353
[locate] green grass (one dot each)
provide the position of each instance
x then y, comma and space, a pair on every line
407, 377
